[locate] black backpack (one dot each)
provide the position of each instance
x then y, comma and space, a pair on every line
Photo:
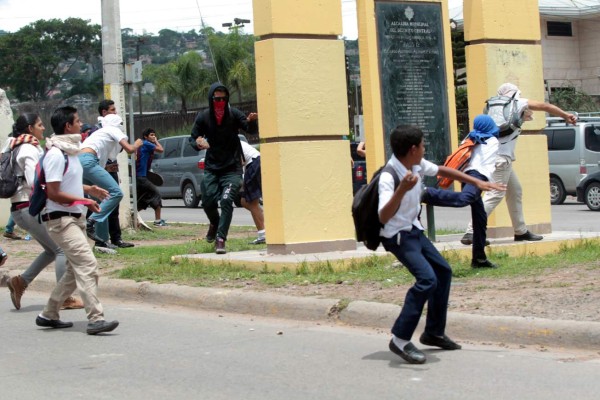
364, 210
39, 196
9, 181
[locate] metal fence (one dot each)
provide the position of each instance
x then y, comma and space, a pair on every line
175, 123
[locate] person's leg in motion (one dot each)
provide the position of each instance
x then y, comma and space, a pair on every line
210, 203
230, 184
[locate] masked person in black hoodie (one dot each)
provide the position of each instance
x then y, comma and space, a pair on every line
216, 130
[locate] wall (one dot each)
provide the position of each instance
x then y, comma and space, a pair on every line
575, 60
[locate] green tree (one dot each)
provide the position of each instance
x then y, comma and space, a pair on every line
458, 57
185, 79
233, 58
572, 99
43, 52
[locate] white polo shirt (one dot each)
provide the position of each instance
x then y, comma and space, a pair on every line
105, 142
71, 182
483, 158
407, 214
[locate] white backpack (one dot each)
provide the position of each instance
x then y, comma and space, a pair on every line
504, 110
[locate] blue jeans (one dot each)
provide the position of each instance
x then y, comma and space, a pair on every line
433, 276
94, 174
10, 225
470, 195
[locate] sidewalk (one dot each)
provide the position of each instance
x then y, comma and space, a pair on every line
463, 327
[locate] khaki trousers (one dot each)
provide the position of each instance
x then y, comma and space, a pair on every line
514, 195
82, 268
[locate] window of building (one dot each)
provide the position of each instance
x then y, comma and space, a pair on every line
556, 28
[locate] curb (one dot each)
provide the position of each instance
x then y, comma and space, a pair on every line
515, 330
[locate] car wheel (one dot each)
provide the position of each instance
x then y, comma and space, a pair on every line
592, 196
190, 199
557, 191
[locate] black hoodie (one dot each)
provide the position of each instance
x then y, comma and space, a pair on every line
225, 152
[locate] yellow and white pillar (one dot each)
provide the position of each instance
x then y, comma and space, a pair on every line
504, 45
303, 114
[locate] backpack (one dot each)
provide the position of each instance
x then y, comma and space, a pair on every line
504, 110
459, 160
9, 181
364, 210
39, 196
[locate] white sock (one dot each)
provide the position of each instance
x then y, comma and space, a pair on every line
399, 342
261, 233
42, 317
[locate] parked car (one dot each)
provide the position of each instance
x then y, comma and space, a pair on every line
359, 169
588, 191
573, 153
182, 170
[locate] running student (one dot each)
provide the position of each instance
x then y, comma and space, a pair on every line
481, 166
28, 131
65, 221
402, 235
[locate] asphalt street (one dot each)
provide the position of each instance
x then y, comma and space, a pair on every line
175, 353
570, 216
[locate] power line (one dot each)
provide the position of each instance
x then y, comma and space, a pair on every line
212, 56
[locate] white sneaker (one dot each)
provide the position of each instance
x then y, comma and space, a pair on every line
105, 250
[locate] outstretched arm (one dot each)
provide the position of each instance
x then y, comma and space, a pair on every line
461, 176
552, 109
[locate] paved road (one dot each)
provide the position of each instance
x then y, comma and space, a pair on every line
570, 216
171, 353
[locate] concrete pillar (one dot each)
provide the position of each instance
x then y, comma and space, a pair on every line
504, 45
303, 114
113, 71
6, 123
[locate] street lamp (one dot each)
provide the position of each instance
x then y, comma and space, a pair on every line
237, 23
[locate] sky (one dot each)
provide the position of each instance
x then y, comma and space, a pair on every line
151, 16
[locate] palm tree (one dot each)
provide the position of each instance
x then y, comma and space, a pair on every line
233, 57
185, 78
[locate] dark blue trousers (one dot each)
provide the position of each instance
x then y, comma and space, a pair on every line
433, 277
470, 195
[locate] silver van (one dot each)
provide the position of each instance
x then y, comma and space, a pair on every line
573, 153
182, 170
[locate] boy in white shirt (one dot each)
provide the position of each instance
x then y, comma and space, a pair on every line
481, 166
98, 148
65, 221
503, 171
402, 235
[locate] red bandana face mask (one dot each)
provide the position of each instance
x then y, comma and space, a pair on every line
219, 107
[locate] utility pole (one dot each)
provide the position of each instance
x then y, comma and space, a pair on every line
139, 41
112, 66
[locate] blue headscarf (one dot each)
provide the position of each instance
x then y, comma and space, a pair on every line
484, 128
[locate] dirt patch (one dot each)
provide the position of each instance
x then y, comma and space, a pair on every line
569, 293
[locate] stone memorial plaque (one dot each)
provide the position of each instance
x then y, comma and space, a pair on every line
412, 72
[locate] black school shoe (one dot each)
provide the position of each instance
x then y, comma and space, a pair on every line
483, 264
101, 326
121, 244
90, 230
52, 323
443, 342
528, 236
410, 354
